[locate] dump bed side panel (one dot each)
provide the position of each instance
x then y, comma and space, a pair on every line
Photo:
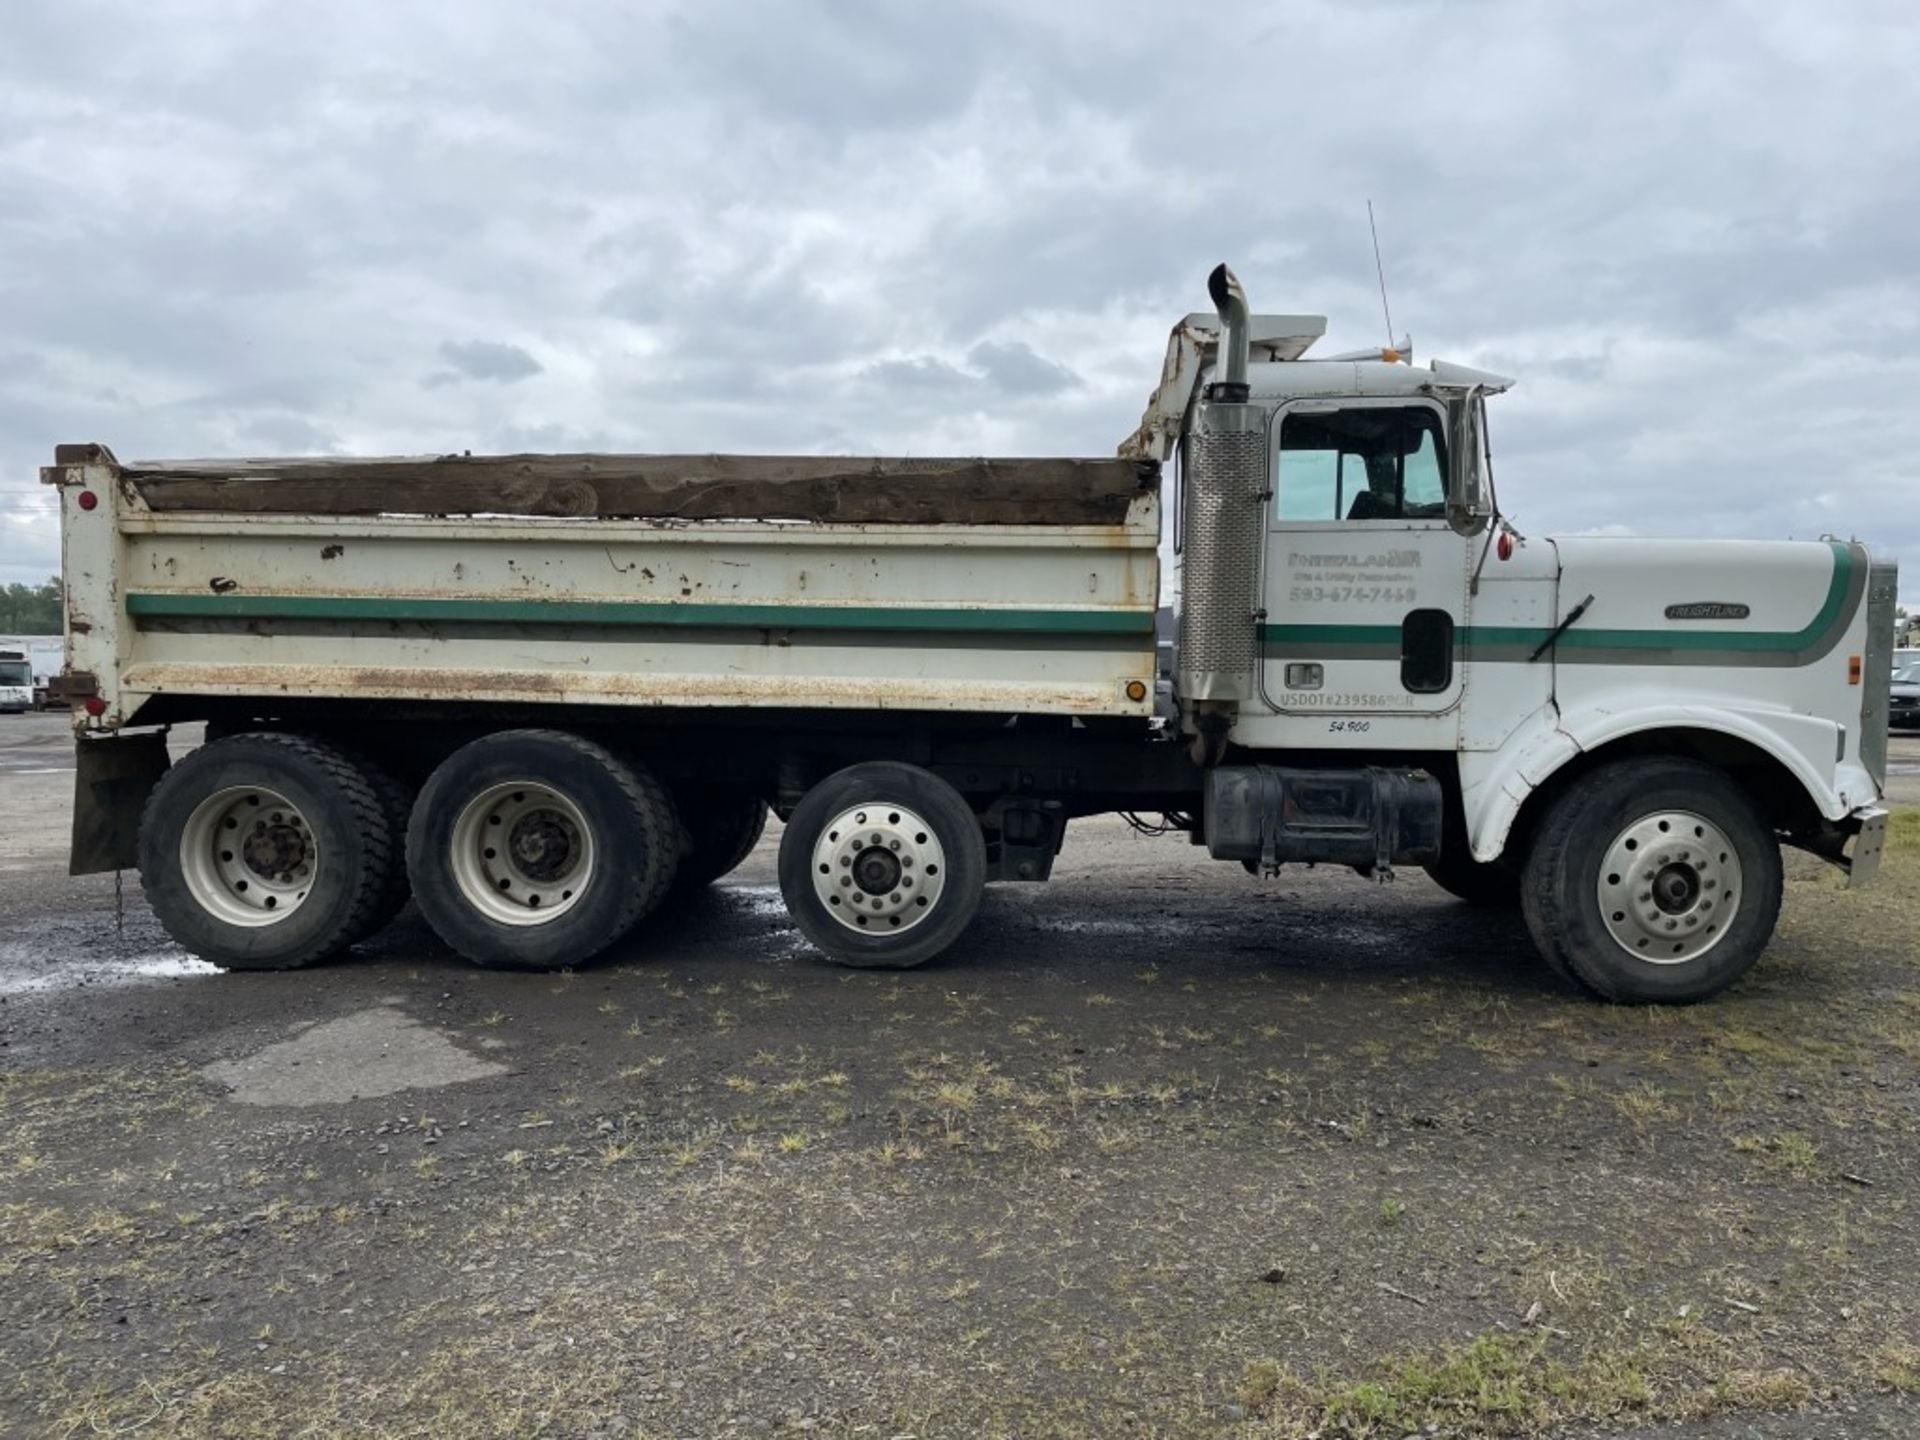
943, 613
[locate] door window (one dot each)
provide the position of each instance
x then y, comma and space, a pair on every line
1373, 462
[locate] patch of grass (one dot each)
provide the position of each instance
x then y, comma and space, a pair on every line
1897, 1368
1764, 1390
1392, 1211
614, 1152
1640, 1105
1498, 1383
1789, 1152
30, 1231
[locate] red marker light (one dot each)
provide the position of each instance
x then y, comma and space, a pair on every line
88, 500
95, 705
1504, 545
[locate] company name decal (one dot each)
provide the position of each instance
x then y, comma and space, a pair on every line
1709, 610
1379, 560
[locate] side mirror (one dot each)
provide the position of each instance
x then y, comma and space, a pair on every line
1469, 496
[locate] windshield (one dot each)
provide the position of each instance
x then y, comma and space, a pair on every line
15, 672
1908, 674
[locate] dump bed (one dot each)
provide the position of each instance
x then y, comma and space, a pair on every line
979, 585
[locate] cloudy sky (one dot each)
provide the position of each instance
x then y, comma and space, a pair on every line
1692, 229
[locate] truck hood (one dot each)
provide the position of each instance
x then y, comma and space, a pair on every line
1708, 602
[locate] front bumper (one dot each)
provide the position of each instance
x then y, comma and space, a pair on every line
1869, 824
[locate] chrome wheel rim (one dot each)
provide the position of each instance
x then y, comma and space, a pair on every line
1669, 887
522, 853
248, 856
878, 868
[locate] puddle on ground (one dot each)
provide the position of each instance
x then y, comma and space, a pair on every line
24, 970
757, 899
379, 1051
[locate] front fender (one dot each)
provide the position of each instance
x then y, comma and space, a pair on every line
1495, 784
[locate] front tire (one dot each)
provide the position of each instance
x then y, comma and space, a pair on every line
1489, 885
266, 852
882, 865
537, 849
1653, 880
721, 828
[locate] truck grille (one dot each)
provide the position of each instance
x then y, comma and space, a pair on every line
1883, 594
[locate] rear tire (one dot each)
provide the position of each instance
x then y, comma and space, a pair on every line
395, 798
1653, 880
882, 865
265, 852
536, 849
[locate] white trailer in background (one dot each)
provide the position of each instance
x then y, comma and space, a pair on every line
548, 692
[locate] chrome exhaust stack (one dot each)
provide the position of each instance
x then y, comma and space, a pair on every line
1230, 303
1222, 514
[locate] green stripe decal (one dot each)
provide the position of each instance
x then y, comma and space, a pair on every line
1680, 643
969, 619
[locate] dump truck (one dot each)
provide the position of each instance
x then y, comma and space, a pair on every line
545, 695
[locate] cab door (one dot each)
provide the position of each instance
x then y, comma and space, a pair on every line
1366, 583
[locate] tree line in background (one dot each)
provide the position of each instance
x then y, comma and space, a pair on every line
31, 609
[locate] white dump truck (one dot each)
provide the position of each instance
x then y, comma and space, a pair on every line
545, 694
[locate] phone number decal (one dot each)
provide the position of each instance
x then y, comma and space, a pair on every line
1350, 594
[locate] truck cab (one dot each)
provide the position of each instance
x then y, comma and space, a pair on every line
1349, 587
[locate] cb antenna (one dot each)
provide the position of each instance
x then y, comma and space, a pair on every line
1381, 271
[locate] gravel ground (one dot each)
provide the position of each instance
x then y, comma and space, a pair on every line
1160, 1151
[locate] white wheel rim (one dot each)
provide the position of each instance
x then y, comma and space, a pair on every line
522, 853
1669, 887
879, 869
248, 856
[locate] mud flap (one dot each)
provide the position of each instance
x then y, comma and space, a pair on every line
112, 778
1864, 864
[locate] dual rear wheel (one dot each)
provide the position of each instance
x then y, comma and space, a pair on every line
537, 849
526, 849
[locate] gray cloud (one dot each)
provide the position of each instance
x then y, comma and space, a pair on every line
723, 226
1016, 369
483, 360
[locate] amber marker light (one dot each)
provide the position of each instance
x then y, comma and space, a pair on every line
1136, 690
1853, 669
